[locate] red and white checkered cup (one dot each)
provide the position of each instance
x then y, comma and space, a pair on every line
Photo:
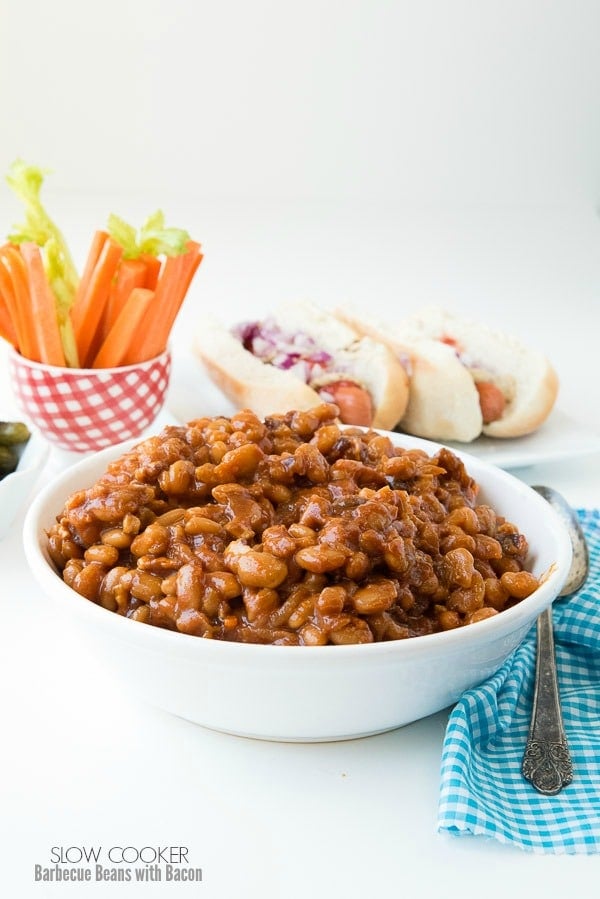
88, 409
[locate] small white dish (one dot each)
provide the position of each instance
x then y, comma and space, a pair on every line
16, 487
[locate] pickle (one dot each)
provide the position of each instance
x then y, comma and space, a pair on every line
13, 432
12, 435
9, 459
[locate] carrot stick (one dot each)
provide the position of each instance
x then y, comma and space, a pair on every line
115, 348
189, 264
89, 306
15, 289
98, 241
190, 269
130, 274
43, 307
175, 278
8, 297
7, 328
153, 266
154, 339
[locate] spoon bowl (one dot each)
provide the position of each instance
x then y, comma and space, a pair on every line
580, 560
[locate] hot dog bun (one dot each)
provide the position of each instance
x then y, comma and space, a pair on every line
244, 379
456, 365
267, 388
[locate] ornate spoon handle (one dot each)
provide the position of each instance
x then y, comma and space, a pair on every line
546, 763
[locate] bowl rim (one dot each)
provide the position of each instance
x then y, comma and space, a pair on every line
125, 629
17, 358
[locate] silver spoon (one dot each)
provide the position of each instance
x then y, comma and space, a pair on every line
547, 762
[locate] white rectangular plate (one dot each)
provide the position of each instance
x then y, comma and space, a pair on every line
560, 437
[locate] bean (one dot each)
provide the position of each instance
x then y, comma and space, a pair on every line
326, 437
154, 540
278, 542
190, 621
88, 581
303, 535
311, 463
496, 594
142, 613
457, 539
225, 583
302, 613
312, 635
145, 587
395, 556
352, 631
465, 519
189, 585
487, 547
481, 615
116, 537
331, 600
277, 493
320, 558
178, 478
506, 563
169, 584
519, 584
243, 460
197, 524
131, 524
378, 596
259, 603
460, 566
357, 566
71, 570
103, 554
256, 569
448, 619
406, 598
372, 542
468, 599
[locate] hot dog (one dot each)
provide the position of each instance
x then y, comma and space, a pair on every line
466, 379
302, 355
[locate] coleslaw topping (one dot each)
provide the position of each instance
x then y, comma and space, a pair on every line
297, 353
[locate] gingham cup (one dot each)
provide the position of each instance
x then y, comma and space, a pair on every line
85, 410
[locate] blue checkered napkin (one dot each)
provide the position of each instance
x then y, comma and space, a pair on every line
482, 788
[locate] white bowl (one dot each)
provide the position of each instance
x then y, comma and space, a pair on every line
307, 693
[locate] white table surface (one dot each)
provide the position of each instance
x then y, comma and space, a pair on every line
81, 764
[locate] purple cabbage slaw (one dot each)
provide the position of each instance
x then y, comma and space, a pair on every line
297, 353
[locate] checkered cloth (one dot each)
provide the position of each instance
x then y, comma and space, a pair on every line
482, 788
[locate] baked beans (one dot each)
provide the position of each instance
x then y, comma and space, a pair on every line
289, 530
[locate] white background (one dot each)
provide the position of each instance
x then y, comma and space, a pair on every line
384, 154
432, 101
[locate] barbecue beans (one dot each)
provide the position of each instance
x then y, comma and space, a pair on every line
290, 530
